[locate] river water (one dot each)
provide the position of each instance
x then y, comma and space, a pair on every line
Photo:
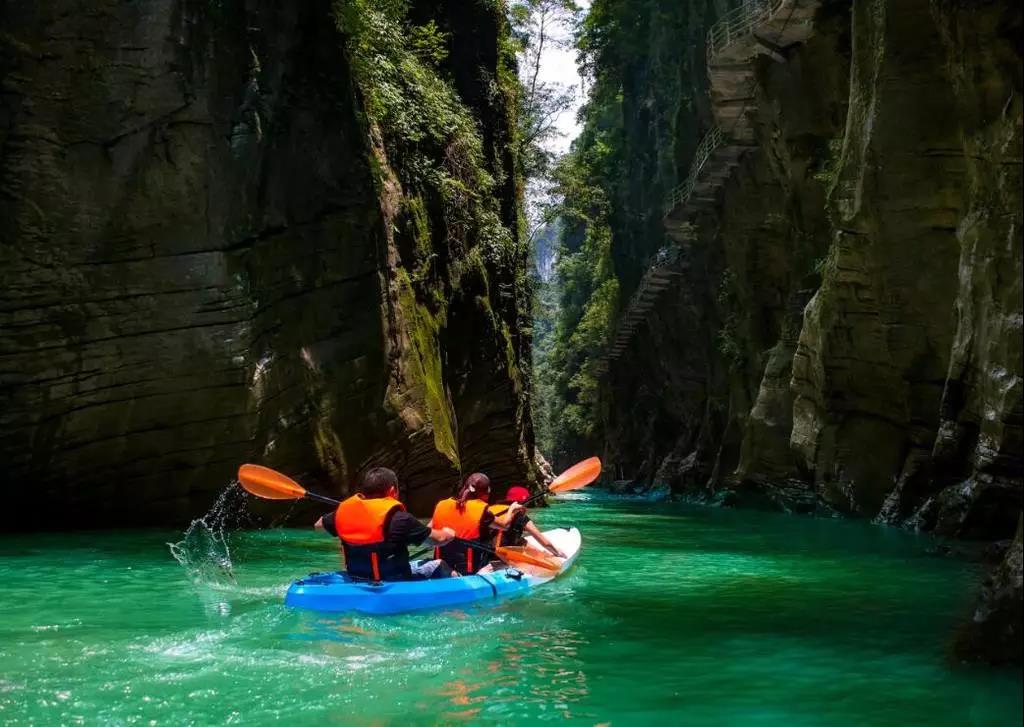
674, 614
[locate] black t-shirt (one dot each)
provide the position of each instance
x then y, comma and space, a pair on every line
516, 525
486, 520
514, 534
519, 517
403, 529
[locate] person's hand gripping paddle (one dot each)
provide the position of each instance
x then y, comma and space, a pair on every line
269, 484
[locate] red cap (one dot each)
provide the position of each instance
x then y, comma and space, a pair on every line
517, 494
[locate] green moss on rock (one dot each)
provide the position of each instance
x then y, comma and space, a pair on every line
422, 360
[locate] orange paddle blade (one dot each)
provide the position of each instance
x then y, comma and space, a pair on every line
579, 475
517, 554
269, 484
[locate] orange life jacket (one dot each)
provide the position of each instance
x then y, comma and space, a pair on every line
466, 525
361, 523
513, 532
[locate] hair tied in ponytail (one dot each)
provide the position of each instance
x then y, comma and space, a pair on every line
477, 481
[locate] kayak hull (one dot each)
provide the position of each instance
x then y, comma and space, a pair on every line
337, 593
334, 592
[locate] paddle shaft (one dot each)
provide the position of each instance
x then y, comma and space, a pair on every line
322, 498
537, 498
479, 546
425, 551
469, 543
331, 501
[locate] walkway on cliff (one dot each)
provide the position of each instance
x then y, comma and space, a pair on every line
755, 28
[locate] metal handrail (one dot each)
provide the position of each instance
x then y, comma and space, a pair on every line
663, 258
711, 141
739, 22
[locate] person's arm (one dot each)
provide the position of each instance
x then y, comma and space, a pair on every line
405, 529
440, 536
501, 522
325, 524
539, 537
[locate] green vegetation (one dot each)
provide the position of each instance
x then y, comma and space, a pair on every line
430, 138
828, 172
545, 307
587, 307
441, 187
424, 361
535, 29
644, 70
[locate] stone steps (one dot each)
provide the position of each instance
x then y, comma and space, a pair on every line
734, 103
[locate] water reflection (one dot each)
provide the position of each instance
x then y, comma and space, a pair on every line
534, 671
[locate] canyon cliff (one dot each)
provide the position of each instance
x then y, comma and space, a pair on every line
219, 243
815, 231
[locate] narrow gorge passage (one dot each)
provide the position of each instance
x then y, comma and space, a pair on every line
756, 262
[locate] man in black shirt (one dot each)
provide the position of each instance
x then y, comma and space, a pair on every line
375, 532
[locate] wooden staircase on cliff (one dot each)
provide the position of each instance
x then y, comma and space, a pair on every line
755, 28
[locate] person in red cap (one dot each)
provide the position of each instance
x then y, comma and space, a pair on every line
513, 533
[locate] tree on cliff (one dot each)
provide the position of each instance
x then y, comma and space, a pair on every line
535, 26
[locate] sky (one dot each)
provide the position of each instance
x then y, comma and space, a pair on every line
558, 65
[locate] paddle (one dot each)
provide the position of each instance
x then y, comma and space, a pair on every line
272, 485
269, 484
576, 477
502, 553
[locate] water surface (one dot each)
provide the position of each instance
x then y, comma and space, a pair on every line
674, 615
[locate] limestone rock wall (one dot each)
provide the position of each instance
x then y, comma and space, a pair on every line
912, 323
994, 631
198, 267
846, 332
709, 407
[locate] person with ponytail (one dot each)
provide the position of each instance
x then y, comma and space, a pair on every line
468, 516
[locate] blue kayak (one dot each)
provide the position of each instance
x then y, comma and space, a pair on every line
336, 592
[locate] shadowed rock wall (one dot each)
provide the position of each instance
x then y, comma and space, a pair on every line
199, 268
846, 333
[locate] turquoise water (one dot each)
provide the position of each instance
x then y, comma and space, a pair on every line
674, 615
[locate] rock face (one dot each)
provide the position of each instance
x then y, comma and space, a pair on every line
846, 332
994, 632
202, 264
911, 348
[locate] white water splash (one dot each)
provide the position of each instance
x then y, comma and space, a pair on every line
203, 550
